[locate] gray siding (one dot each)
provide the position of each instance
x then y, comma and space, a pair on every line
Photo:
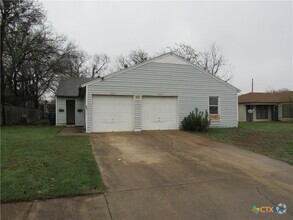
190, 85
61, 116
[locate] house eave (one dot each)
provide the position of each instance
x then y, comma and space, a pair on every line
260, 103
67, 96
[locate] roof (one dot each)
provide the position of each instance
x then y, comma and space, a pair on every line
262, 97
70, 86
155, 59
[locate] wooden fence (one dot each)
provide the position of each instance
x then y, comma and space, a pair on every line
20, 115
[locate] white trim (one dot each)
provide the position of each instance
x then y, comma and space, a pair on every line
219, 109
133, 103
215, 105
237, 110
217, 78
207, 73
56, 107
86, 109
177, 112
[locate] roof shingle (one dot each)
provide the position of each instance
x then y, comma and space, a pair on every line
260, 97
70, 86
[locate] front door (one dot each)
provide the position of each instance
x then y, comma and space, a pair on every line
70, 112
274, 113
249, 113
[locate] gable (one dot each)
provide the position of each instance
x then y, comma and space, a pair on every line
161, 79
172, 59
168, 59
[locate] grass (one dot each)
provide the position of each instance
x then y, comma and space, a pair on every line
38, 164
273, 139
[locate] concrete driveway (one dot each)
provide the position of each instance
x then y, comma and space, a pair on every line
178, 175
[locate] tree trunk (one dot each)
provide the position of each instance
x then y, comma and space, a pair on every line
2, 71
36, 104
15, 84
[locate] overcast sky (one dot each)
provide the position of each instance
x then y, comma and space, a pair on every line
256, 37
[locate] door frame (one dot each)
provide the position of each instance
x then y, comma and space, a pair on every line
275, 113
67, 108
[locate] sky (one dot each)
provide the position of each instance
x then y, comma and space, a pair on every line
255, 36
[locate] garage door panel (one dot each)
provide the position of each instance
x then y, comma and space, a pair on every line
159, 113
112, 113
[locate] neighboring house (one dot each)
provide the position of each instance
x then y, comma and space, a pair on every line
154, 95
266, 106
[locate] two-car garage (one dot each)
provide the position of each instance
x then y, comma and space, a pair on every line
154, 95
116, 113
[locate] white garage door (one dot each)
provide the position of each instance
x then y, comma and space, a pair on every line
112, 113
159, 113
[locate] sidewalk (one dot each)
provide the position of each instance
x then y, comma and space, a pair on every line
81, 207
72, 131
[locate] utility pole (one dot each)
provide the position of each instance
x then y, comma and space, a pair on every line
252, 85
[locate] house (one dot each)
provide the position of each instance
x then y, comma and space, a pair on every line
70, 103
154, 95
266, 106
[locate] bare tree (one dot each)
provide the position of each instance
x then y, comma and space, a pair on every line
161, 52
185, 51
211, 60
123, 62
271, 90
134, 57
73, 63
32, 56
38, 72
99, 64
21, 23
138, 56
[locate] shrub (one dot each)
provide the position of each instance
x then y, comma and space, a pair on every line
196, 121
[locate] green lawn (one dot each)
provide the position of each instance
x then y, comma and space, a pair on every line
38, 164
273, 139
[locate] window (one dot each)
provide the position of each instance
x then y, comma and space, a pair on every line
262, 112
287, 110
214, 105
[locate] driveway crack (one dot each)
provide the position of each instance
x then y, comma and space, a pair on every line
28, 211
172, 185
275, 204
264, 195
108, 206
